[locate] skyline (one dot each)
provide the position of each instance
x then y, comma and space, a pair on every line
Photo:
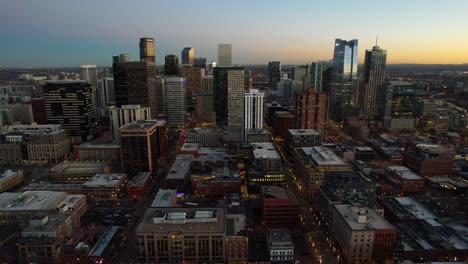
54, 33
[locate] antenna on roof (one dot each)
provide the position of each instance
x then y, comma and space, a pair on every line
376, 40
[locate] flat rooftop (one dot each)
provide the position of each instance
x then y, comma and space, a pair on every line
143, 125
303, 132
104, 241
48, 228
281, 235
265, 150
323, 156
97, 145
404, 172
275, 192
140, 179
362, 218
52, 186
180, 168
415, 208
79, 167
31, 200
8, 174
185, 220
164, 198
190, 147
73, 201
106, 180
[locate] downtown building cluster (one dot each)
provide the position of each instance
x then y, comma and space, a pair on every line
197, 162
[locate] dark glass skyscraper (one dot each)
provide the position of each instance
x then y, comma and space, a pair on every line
188, 55
147, 50
374, 75
320, 74
344, 79
171, 65
274, 73
228, 93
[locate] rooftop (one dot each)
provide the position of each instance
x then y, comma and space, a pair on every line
362, 218
404, 172
275, 192
190, 147
143, 125
104, 180
185, 220
180, 168
79, 167
93, 145
164, 198
140, 179
323, 156
73, 201
415, 208
65, 81
52, 186
103, 241
44, 225
265, 150
303, 132
31, 200
8, 174
279, 237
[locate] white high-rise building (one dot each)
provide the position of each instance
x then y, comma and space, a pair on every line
224, 54
125, 115
253, 111
174, 95
89, 73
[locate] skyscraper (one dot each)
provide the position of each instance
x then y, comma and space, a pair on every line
142, 145
135, 84
344, 78
171, 65
199, 63
224, 54
311, 110
374, 75
160, 93
70, 104
188, 55
174, 97
253, 111
274, 73
147, 50
228, 94
320, 72
106, 85
89, 73
302, 74
122, 58
193, 76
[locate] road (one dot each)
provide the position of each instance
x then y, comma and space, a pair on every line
128, 247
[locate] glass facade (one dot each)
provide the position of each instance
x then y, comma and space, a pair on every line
344, 79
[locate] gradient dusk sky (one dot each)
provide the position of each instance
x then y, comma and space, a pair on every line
68, 33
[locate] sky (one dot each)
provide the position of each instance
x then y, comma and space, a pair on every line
55, 33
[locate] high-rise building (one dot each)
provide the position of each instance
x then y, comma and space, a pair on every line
122, 58
160, 93
147, 53
253, 111
193, 76
207, 83
224, 54
321, 72
70, 104
209, 67
188, 56
126, 114
274, 73
311, 110
106, 86
302, 74
135, 84
89, 73
143, 145
204, 106
171, 65
174, 97
39, 110
344, 79
199, 62
396, 104
228, 95
374, 75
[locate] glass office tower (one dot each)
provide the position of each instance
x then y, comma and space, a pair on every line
344, 80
